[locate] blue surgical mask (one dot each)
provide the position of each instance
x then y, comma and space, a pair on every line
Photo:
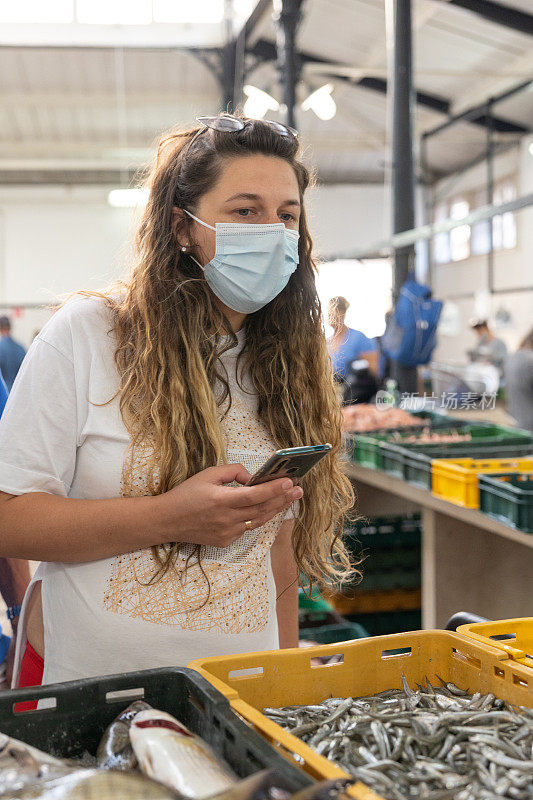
252, 263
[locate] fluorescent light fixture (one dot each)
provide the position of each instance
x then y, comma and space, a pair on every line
258, 102
127, 198
321, 102
52, 11
179, 11
114, 12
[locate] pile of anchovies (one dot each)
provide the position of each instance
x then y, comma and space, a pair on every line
435, 742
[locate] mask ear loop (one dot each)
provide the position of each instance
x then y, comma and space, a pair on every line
205, 226
199, 220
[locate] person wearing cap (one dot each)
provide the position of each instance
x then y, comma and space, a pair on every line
11, 353
489, 348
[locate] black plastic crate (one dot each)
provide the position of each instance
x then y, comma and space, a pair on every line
84, 709
331, 634
383, 533
389, 622
413, 464
508, 498
390, 547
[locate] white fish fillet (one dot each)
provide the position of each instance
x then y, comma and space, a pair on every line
168, 752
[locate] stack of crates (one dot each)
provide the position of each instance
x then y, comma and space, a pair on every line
320, 623
388, 598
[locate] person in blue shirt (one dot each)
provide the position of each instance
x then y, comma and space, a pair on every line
3, 394
11, 353
348, 345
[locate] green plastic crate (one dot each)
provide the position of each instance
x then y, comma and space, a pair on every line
329, 634
388, 579
84, 709
391, 550
385, 532
367, 447
412, 461
508, 497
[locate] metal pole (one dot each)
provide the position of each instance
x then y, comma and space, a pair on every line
228, 59
403, 179
427, 208
288, 62
490, 194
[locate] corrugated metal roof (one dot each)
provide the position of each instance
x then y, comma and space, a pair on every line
61, 103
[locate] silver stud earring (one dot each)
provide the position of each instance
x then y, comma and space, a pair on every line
184, 249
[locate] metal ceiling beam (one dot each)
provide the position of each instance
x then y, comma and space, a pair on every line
256, 17
479, 113
265, 50
114, 177
288, 59
506, 16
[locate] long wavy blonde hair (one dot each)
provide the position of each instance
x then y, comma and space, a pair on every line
167, 352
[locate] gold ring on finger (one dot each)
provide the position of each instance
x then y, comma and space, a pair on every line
248, 525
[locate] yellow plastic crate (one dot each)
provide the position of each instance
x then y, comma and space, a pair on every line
456, 479
253, 681
518, 631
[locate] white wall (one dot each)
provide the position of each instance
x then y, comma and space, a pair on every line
343, 217
55, 240
513, 269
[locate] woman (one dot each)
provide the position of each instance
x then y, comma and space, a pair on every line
348, 345
136, 408
518, 372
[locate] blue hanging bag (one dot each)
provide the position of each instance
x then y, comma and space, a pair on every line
411, 333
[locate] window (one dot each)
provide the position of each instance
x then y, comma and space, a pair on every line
504, 225
480, 240
53, 11
441, 242
465, 240
121, 12
114, 12
460, 237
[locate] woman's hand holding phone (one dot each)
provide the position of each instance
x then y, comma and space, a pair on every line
203, 510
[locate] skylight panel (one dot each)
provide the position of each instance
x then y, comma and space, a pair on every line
211, 11
114, 12
36, 11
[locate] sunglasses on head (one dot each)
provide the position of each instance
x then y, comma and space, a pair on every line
230, 124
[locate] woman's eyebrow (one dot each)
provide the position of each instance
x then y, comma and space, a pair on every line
251, 196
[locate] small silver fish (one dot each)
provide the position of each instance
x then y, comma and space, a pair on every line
435, 743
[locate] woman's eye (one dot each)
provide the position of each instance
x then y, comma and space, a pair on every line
288, 217
243, 212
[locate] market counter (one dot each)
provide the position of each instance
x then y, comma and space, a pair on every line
470, 561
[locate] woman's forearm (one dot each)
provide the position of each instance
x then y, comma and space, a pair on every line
286, 579
44, 527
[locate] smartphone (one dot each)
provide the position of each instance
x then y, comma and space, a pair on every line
292, 463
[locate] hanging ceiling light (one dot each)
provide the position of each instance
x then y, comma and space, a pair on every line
321, 102
258, 102
127, 198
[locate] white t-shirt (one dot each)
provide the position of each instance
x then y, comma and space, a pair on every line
100, 617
